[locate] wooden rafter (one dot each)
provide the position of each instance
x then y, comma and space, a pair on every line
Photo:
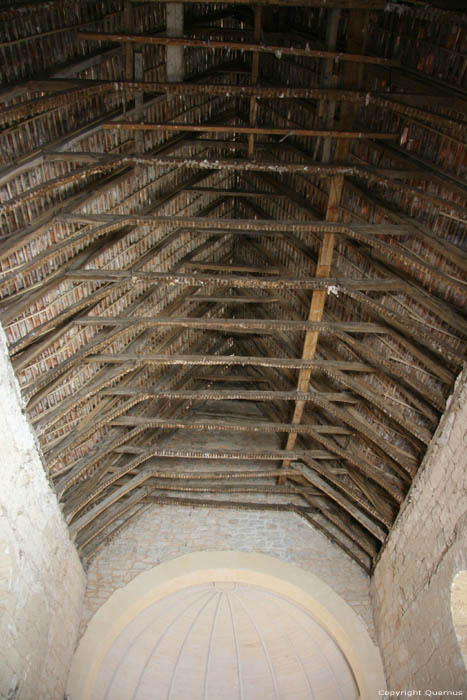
234, 45
147, 308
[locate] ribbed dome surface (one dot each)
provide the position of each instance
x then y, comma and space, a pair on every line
224, 641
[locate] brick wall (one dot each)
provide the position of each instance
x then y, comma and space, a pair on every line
41, 579
411, 586
164, 532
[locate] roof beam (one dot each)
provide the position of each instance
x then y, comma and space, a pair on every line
336, 284
371, 520
68, 91
251, 194
306, 51
52, 376
212, 425
367, 431
81, 466
257, 130
219, 454
235, 301
108, 408
142, 477
318, 300
240, 224
227, 361
231, 324
370, 4
443, 311
415, 430
101, 162
230, 395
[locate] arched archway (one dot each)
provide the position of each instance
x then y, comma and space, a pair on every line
459, 610
295, 587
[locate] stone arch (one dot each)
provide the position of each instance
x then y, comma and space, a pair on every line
459, 610
298, 586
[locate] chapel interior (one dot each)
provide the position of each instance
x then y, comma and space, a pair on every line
233, 330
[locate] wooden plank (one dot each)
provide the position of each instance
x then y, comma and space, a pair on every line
348, 4
393, 369
443, 310
99, 162
356, 512
66, 314
99, 417
92, 531
227, 361
219, 454
231, 324
384, 176
231, 268
352, 530
250, 194
238, 164
229, 378
416, 329
104, 417
143, 395
326, 250
242, 224
281, 50
97, 343
92, 513
270, 488
318, 525
323, 269
333, 284
269, 91
119, 230
140, 479
394, 253
393, 485
231, 504
257, 130
430, 238
210, 425
114, 226
197, 298
257, 35
71, 68
351, 491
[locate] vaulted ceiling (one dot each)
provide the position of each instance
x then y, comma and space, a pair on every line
233, 268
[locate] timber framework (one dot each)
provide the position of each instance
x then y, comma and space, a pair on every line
233, 252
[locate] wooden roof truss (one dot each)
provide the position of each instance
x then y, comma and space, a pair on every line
233, 267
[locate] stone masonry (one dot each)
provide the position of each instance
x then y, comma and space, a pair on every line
164, 532
411, 586
41, 578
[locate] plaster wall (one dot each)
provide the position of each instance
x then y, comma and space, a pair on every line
41, 579
411, 586
162, 533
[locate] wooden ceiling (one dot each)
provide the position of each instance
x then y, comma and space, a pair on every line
233, 268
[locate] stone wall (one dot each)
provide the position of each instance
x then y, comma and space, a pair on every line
411, 586
164, 532
41, 579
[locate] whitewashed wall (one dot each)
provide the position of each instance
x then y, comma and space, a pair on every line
162, 533
411, 586
41, 579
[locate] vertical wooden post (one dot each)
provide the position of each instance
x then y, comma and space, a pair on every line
138, 62
352, 77
327, 108
254, 80
174, 54
127, 47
